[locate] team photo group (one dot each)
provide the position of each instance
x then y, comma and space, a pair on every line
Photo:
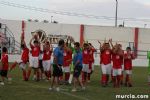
70, 63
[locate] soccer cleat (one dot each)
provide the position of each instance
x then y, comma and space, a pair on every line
34, 78
9, 79
74, 90
83, 88
2, 83
57, 89
50, 89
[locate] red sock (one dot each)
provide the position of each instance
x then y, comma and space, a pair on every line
112, 75
38, 75
121, 78
48, 74
83, 77
107, 78
67, 76
89, 76
13, 65
118, 80
61, 78
28, 74
103, 79
24, 75
127, 78
114, 81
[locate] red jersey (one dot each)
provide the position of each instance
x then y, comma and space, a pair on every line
35, 51
106, 57
66, 56
85, 54
122, 58
128, 61
25, 55
117, 61
47, 55
4, 61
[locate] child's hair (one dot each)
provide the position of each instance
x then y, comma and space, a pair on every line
61, 42
4, 49
90, 44
22, 46
35, 41
77, 44
85, 44
128, 48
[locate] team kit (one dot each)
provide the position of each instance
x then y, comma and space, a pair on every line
71, 63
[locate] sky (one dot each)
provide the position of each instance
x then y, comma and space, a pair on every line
127, 9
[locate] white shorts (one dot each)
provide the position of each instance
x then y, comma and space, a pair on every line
22, 65
128, 72
34, 62
66, 69
122, 66
46, 65
106, 69
117, 72
85, 68
90, 70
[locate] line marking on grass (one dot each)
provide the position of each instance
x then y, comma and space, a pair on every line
66, 93
69, 94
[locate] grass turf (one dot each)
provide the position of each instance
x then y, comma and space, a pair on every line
31, 90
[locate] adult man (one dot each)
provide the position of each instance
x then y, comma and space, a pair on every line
77, 62
57, 64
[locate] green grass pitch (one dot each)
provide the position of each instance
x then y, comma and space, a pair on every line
31, 90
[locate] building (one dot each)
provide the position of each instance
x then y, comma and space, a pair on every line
136, 38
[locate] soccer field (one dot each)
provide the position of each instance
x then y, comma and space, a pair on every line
31, 90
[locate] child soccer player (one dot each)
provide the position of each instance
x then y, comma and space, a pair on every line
34, 63
122, 64
57, 65
5, 65
128, 57
85, 69
117, 69
91, 60
46, 59
67, 58
24, 60
105, 63
77, 62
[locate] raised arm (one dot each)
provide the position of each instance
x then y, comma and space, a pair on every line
110, 41
31, 41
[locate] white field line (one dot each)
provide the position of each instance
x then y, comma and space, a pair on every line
66, 93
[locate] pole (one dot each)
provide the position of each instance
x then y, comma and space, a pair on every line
51, 19
116, 18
